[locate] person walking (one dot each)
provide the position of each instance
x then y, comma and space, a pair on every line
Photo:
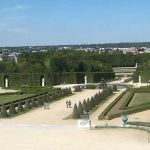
67, 104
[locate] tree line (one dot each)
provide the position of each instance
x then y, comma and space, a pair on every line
70, 61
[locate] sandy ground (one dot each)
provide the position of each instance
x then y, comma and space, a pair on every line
72, 139
55, 115
6, 90
48, 130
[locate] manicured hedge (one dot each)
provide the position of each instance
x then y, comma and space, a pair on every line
130, 111
56, 78
36, 95
127, 101
132, 92
123, 109
31, 102
89, 104
137, 123
103, 114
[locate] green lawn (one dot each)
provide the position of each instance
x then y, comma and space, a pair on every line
10, 98
140, 98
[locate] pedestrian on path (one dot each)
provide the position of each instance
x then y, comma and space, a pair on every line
67, 104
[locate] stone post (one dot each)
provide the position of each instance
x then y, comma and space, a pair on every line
139, 78
85, 79
43, 82
6, 82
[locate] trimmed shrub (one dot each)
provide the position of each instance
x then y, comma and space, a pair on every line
89, 104
102, 95
96, 99
93, 102
3, 111
80, 109
85, 106
20, 107
42, 100
106, 92
39, 101
12, 109
70, 92
75, 114
115, 87
33, 103
27, 105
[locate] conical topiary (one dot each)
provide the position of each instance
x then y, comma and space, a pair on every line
3, 111
46, 98
80, 109
110, 90
33, 103
42, 100
89, 104
85, 106
106, 92
12, 109
75, 114
96, 99
102, 95
70, 92
115, 87
39, 101
27, 105
92, 101
20, 107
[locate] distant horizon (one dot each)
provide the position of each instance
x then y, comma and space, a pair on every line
46, 45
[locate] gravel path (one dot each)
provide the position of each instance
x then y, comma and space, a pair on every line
55, 115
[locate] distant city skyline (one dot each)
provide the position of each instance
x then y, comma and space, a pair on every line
69, 22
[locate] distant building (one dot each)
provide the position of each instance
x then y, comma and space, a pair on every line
10, 57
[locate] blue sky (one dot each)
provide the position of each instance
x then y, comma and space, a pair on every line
52, 22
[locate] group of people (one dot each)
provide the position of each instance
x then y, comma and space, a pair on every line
68, 104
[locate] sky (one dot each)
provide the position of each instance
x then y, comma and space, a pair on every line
58, 22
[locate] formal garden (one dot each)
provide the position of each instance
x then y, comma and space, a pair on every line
129, 102
28, 98
91, 104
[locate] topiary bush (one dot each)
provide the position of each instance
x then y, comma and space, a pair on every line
27, 105
85, 106
114, 87
3, 112
75, 114
80, 109
12, 109
39, 101
92, 101
20, 107
89, 104
33, 103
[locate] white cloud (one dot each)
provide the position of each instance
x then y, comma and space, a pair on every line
15, 8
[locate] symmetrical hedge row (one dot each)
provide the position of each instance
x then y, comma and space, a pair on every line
12, 108
124, 109
17, 79
88, 104
103, 114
